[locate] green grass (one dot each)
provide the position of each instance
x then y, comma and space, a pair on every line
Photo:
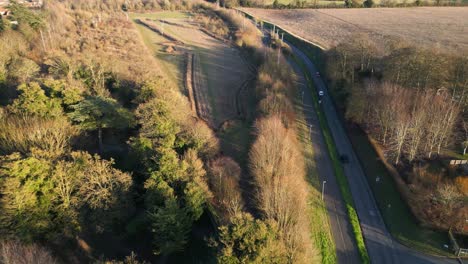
171, 65
318, 215
236, 140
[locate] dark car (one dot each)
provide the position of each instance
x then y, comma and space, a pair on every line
344, 159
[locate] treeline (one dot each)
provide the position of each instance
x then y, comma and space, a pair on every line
280, 233
412, 101
299, 4
416, 90
129, 5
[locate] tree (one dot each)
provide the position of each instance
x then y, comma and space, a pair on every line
249, 240
171, 226
224, 176
15, 252
23, 15
33, 101
278, 171
98, 113
2, 25
157, 124
23, 69
27, 197
368, 3
103, 191
465, 135
43, 198
175, 191
24, 133
196, 193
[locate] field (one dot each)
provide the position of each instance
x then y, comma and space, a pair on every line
219, 70
319, 3
444, 27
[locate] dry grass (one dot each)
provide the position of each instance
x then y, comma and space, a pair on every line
89, 36
445, 27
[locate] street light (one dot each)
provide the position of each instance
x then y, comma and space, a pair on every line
323, 188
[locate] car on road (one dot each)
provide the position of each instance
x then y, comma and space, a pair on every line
320, 93
317, 74
344, 159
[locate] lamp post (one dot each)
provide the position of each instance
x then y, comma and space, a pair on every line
323, 188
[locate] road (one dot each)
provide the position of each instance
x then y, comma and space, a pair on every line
340, 227
381, 246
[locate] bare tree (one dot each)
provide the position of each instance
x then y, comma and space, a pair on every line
224, 176
278, 170
14, 252
443, 114
465, 135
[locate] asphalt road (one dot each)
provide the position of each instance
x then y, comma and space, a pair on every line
382, 248
340, 227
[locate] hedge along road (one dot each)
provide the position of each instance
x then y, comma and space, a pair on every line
382, 248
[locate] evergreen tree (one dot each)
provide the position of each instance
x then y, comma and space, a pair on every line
98, 113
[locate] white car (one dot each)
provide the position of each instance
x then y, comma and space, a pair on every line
320, 93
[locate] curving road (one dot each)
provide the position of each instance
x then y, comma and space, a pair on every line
381, 246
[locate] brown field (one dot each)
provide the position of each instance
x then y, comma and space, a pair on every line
218, 69
444, 27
